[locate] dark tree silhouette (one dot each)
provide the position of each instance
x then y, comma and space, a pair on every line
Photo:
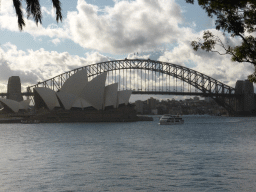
236, 18
34, 9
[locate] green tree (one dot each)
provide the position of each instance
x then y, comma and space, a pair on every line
236, 18
34, 9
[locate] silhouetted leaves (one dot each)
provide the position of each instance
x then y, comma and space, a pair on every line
17, 6
34, 9
237, 18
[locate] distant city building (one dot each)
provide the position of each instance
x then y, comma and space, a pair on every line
196, 98
139, 106
208, 99
152, 103
188, 101
154, 111
182, 107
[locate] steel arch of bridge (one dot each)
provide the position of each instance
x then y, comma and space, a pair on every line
220, 92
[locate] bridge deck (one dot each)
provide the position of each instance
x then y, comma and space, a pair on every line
184, 93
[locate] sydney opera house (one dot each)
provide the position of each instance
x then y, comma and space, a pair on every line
78, 100
13, 106
77, 92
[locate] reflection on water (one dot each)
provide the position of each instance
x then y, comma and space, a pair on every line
204, 154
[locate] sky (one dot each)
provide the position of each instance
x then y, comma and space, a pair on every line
93, 31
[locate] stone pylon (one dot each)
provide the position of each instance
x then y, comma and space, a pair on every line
14, 89
246, 103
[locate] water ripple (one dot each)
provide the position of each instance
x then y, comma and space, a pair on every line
204, 154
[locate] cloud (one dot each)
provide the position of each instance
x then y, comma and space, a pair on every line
214, 65
47, 12
33, 66
6, 72
56, 41
8, 20
96, 57
143, 26
127, 27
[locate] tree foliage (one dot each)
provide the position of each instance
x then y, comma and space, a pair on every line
236, 18
34, 9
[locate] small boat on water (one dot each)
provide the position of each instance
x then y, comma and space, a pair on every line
171, 120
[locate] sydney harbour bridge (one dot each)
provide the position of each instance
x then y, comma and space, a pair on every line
155, 78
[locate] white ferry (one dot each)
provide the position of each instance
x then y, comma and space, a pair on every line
171, 120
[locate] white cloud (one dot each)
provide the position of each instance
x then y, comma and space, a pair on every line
8, 20
214, 65
128, 26
33, 66
47, 12
56, 41
96, 57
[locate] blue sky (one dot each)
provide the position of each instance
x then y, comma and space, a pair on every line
101, 30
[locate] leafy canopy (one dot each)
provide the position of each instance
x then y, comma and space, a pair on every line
34, 8
236, 18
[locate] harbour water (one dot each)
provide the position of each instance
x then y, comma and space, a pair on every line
206, 153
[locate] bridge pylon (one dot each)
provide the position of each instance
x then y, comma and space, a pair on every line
245, 104
14, 89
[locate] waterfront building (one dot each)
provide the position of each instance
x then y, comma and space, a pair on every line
110, 95
45, 98
78, 92
14, 106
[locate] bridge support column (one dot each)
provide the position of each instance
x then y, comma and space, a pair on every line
14, 89
245, 105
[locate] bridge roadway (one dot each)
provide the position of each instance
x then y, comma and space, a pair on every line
158, 93
185, 93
